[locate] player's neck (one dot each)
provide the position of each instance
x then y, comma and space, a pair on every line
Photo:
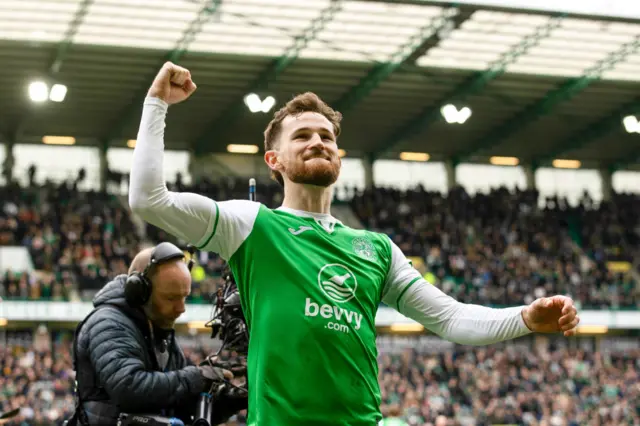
308, 198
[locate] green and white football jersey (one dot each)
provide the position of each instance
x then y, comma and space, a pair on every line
310, 289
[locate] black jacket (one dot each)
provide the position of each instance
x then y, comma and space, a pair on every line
117, 369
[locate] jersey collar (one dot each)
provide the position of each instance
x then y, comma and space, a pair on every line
302, 213
327, 221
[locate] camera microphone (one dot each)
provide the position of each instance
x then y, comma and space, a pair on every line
252, 189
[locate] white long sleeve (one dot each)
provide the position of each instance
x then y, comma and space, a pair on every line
209, 225
457, 322
411, 295
184, 215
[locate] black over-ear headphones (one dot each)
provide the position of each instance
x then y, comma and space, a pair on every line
137, 289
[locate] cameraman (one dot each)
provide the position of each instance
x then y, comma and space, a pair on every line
125, 353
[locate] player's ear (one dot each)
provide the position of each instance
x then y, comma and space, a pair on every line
271, 158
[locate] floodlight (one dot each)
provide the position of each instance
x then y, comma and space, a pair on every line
58, 93
38, 91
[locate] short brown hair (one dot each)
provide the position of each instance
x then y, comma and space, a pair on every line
305, 102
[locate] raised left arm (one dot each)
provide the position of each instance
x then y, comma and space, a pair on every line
469, 324
411, 295
458, 322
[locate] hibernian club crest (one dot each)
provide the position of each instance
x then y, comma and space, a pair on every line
364, 248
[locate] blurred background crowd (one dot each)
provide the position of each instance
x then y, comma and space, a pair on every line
554, 386
495, 249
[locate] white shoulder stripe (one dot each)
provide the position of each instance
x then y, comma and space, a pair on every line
235, 220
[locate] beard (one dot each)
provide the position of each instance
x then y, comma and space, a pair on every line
318, 172
157, 318
165, 324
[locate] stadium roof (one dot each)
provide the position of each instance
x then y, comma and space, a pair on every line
540, 85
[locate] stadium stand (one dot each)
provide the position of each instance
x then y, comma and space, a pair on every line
494, 249
552, 385
75, 239
500, 248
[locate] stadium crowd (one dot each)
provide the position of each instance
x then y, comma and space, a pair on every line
494, 249
477, 386
76, 240
502, 249
486, 386
39, 382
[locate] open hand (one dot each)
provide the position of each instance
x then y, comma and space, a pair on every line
551, 315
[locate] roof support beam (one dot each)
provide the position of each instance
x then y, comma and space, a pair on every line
226, 119
209, 9
564, 92
72, 30
472, 85
592, 132
58, 58
428, 35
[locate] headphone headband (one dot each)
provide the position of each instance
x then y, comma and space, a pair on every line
162, 253
138, 286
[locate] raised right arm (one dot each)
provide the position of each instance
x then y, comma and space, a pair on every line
185, 215
209, 225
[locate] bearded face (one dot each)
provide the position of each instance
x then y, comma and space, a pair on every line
308, 153
316, 168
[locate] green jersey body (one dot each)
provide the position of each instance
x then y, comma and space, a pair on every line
310, 289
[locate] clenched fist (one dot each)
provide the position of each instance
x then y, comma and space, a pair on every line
552, 314
173, 84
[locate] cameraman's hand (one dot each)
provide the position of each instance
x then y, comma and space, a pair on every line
228, 399
227, 403
215, 374
237, 369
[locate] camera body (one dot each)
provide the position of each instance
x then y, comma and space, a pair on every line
201, 418
228, 322
126, 419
